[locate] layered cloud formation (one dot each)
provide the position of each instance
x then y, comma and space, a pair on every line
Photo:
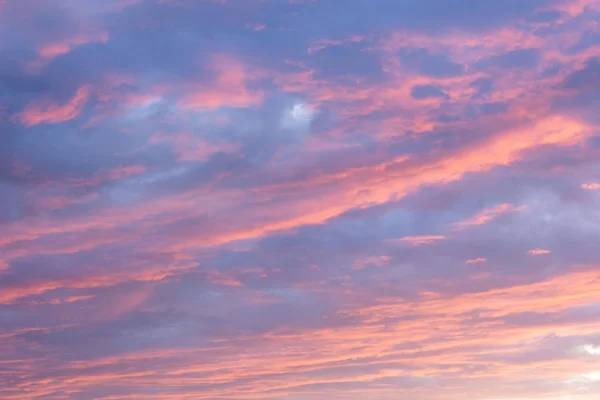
270, 199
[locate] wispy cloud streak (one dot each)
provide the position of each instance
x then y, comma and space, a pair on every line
294, 200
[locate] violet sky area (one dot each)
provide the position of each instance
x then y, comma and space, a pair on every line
299, 199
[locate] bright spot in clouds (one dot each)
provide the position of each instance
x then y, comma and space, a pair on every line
591, 349
299, 116
592, 376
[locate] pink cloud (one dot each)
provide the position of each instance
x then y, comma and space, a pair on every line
488, 215
256, 27
377, 261
228, 90
220, 278
190, 147
58, 201
301, 322
51, 50
591, 186
421, 240
42, 111
537, 252
476, 260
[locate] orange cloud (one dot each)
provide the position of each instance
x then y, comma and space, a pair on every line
42, 111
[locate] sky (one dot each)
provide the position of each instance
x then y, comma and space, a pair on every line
299, 199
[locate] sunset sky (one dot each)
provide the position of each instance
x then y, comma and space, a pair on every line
300, 199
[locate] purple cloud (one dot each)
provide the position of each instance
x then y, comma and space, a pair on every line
299, 199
